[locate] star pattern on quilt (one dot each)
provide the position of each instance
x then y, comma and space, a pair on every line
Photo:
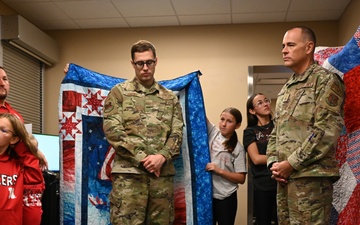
94, 102
69, 125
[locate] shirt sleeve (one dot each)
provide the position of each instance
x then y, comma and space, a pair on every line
173, 143
271, 148
114, 130
328, 124
240, 160
248, 137
32, 172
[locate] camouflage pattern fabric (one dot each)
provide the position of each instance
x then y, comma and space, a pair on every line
308, 122
129, 199
305, 201
140, 122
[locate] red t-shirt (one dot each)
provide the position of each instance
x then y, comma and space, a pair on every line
14, 174
32, 209
6, 108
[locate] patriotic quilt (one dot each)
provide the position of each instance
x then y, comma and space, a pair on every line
345, 61
86, 156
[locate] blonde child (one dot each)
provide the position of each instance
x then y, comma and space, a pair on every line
19, 166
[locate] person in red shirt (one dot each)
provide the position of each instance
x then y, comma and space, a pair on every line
19, 165
4, 91
32, 209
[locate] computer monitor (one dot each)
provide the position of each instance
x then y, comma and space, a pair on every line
50, 146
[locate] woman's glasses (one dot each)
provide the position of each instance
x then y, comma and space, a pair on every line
262, 103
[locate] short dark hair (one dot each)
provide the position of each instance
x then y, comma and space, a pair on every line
308, 33
142, 46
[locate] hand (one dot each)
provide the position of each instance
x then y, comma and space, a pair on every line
66, 69
43, 162
157, 172
281, 171
212, 167
153, 163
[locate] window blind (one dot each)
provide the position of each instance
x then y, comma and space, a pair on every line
25, 76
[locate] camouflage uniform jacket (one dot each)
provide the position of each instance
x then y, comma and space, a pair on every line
308, 122
140, 122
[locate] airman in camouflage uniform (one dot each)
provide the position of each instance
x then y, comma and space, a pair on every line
143, 122
308, 122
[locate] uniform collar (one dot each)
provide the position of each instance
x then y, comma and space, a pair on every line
305, 75
138, 87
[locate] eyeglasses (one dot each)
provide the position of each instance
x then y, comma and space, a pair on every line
149, 63
262, 103
6, 131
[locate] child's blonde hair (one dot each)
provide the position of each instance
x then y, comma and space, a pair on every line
20, 131
34, 141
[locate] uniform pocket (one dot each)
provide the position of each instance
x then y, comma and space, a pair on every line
303, 104
165, 111
115, 199
318, 194
131, 111
297, 103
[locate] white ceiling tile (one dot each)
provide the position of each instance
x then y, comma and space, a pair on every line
318, 5
249, 6
142, 13
21, 1
198, 7
258, 17
142, 8
205, 19
32, 10
152, 21
312, 16
101, 23
89, 9
57, 24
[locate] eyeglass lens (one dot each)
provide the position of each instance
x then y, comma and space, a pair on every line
261, 103
148, 63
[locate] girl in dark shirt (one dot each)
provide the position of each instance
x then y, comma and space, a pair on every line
255, 139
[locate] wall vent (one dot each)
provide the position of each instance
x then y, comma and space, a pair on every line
22, 34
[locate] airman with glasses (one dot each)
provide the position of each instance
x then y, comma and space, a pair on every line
144, 64
143, 122
148, 63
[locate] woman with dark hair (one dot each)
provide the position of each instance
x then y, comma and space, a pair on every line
255, 139
227, 165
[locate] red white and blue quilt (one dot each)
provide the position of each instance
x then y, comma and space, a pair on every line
345, 61
86, 156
